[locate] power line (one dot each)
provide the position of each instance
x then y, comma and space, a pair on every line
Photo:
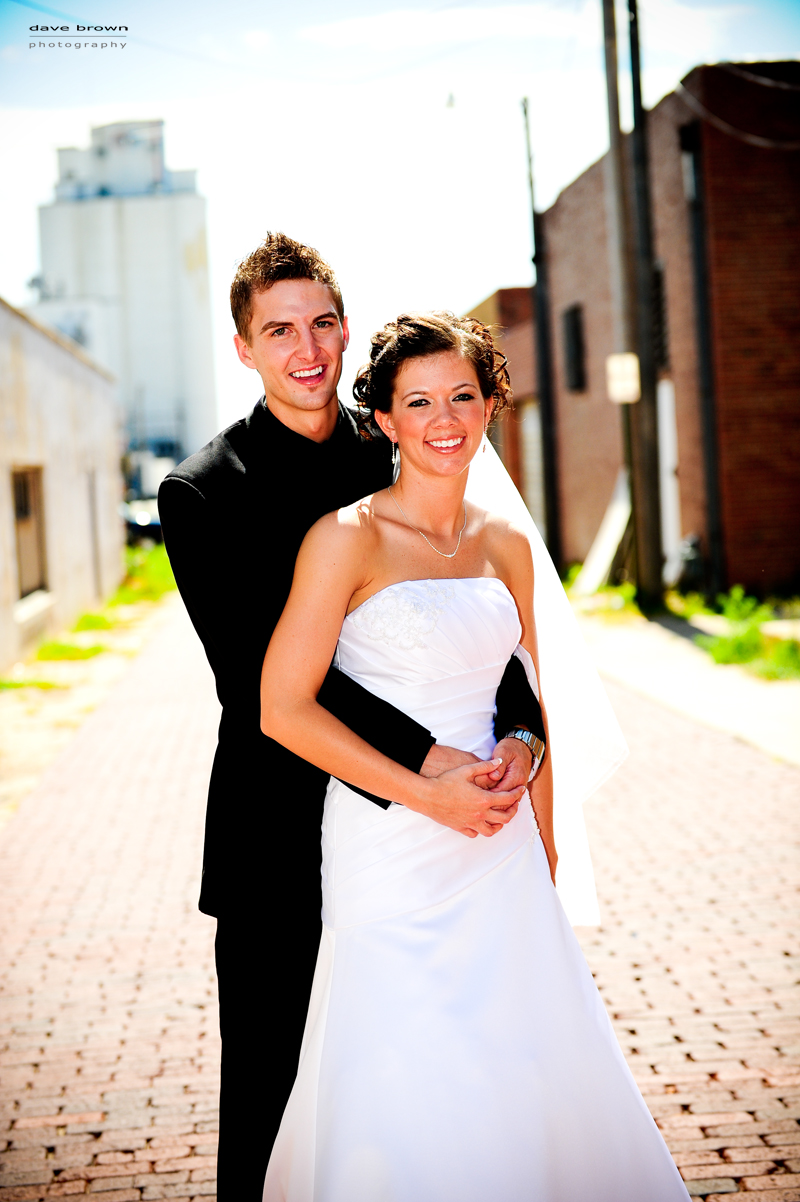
725, 127
763, 80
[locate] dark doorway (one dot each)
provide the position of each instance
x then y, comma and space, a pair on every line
29, 522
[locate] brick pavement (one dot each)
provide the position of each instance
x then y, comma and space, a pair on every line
109, 1046
695, 849
108, 1039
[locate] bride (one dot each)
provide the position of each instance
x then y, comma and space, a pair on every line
456, 1048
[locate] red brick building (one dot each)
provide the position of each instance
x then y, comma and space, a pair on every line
725, 181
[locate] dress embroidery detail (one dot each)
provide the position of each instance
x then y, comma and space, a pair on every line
402, 614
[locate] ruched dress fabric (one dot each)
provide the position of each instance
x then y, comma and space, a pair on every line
456, 1048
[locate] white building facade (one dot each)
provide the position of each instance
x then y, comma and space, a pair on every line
125, 274
61, 534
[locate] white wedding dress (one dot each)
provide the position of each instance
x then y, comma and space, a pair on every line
456, 1048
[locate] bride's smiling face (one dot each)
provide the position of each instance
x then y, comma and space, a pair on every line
438, 413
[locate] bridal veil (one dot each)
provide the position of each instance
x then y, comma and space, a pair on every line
586, 742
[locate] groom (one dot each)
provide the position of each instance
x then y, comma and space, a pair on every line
234, 516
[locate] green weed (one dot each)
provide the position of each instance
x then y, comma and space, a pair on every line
28, 684
782, 661
742, 610
744, 642
621, 596
772, 659
149, 576
686, 605
93, 622
739, 648
62, 651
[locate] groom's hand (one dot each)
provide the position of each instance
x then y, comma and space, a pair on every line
441, 759
514, 770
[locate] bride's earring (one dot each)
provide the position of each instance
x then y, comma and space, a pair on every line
394, 454
485, 428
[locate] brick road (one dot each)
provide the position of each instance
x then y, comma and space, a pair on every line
108, 1040
695, 846
108, 1020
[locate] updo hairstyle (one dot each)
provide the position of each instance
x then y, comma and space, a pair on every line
418, 336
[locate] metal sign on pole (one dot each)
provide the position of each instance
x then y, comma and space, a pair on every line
544, 367
623, 381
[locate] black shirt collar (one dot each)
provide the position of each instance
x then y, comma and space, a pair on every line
266, 429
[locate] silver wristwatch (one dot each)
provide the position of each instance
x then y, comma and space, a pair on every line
537, 747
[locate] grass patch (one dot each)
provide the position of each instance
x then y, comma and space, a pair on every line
772, 659
62, 651
686, 605
610, 600
28, 684
93, 622
149, 576
742, 610
740, 648
782, 661
620, 597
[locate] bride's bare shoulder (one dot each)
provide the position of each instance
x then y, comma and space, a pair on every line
504, 539
508, 549
349, 528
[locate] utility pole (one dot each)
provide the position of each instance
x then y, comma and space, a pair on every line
619, 232
540, 297
644, 418
622, 286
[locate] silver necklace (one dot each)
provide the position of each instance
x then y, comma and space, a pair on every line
443, 554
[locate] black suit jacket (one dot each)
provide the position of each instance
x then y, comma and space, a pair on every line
234, 516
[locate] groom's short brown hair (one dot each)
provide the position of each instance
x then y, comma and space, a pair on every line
277, 258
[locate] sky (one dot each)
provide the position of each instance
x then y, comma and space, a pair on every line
388, 135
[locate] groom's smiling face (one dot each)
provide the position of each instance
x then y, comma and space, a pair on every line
295, 343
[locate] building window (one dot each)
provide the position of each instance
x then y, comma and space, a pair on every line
29, 522
660, 326
574, 349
